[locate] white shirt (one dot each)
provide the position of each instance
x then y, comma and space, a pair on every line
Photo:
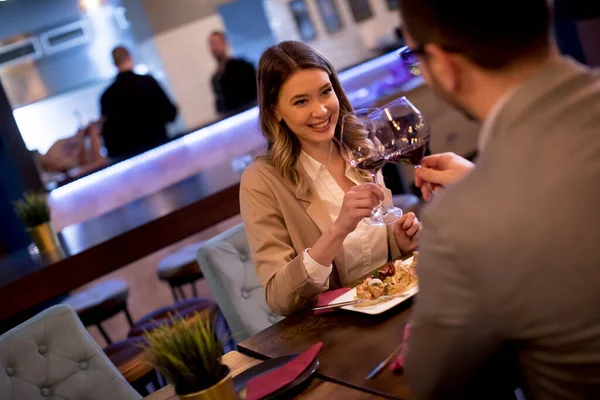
364, 249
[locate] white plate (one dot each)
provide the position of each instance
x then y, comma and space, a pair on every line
377, 308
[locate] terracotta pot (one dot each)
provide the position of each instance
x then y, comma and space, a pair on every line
44, 237
224, 390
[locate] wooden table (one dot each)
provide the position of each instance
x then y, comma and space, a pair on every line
354, 344
317, 390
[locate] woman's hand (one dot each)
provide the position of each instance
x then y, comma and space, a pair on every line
358, 203
406, 232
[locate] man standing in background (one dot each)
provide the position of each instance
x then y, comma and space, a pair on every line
234, 82
135, 110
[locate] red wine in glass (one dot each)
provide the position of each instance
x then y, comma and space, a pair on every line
412, 153
365, 142
371, 164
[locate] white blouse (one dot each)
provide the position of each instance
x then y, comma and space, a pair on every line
364, 249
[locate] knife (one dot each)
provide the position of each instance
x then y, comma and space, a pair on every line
337, 305
385, 362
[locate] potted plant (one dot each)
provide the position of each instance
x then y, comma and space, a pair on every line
34, 212
188, 353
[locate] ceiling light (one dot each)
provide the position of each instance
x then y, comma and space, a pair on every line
89, 5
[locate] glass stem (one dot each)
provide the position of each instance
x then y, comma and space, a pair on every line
374, 177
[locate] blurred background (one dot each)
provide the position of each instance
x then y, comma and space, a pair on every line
55, 55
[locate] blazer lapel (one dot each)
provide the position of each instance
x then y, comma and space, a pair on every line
317, 211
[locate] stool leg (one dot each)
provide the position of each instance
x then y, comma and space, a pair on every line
128, 316
174, 294
194, 290
104, 334
181, 292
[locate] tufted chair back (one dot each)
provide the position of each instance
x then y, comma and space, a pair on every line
227, 267
52, 356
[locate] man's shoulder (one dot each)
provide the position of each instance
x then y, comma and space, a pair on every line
146, 79
108, 92
238, 63
472, 209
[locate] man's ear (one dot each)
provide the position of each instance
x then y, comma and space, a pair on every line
443, 66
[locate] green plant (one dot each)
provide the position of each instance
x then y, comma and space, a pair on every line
32, 209
188, 353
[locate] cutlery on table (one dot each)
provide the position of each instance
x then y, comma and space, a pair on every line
384, 363
359, 302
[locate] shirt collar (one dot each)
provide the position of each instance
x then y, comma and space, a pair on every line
310, 165
488, 123
313, 168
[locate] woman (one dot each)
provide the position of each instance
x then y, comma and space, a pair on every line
302, 205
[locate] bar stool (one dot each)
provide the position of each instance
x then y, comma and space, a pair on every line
100, 302
181, 268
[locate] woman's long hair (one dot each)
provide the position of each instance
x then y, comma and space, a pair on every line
277, 64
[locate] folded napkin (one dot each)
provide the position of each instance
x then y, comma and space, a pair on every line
327, 297
263, 385
398, 364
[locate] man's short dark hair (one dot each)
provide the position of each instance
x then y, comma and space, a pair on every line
221, 34
491, 34
120, 54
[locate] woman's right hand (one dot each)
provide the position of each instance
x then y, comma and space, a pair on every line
358, 203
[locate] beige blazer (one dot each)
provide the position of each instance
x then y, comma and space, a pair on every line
280, 224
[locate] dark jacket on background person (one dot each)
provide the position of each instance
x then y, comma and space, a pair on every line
235, 86
135, 110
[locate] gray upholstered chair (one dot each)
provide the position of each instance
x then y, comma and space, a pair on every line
53, 356
229, 271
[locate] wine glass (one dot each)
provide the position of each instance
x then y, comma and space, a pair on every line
410, 129
365, 142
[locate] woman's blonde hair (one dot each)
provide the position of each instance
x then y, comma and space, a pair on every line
277, 64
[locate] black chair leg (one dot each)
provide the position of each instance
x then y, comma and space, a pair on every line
181, 293
103, 333
194, 290
128, 316
175, 297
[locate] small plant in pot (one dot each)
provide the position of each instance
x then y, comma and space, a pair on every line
34, 212
188, 354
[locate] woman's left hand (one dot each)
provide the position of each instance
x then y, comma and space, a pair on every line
406, 232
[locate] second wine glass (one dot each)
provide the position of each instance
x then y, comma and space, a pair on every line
410, 130
366, 140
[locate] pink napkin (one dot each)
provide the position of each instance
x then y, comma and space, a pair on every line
264, 385
327, 297
398, 365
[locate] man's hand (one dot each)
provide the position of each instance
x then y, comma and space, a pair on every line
440, 170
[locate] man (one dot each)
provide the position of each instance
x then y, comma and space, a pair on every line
234, 82
510, 253
134, 110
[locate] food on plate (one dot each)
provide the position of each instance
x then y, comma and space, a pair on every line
393, 279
